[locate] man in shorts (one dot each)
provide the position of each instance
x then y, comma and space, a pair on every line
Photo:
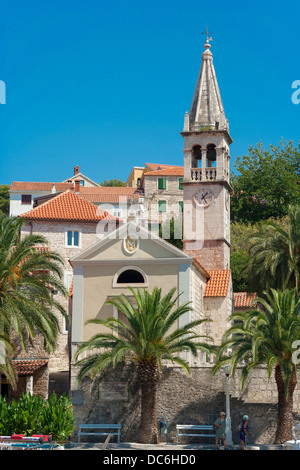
220, 427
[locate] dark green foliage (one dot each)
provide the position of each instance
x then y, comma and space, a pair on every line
58, 418
32, 415
4, 199
27, 306
113, 182
266, 182
274, 254
238, 265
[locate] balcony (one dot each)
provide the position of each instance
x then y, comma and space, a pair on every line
196, 174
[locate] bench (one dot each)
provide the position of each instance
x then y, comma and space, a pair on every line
99, 430
203, 428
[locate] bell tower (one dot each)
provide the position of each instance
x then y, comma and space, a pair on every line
206, 219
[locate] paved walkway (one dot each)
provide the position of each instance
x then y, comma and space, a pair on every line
159, 447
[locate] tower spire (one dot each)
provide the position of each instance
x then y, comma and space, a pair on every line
207, 107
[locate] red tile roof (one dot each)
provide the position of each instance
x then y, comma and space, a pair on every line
198, 264
217, 285
170, 171
243, 299
158, 166
34, 186
68, 206
108, 193
29, 366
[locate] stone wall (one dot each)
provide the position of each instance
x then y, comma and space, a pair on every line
40, 385
183, 399
172, 195
55, 233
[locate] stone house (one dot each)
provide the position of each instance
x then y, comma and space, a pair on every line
70, 224
163, 193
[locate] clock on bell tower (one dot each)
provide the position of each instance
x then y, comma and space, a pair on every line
206, 219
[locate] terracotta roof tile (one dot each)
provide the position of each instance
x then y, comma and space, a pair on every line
217, 285
68, 206
37, 186
29, 366
108, 193
170, 171
243, 299
158, 166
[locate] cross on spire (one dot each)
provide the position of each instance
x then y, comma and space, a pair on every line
208, 37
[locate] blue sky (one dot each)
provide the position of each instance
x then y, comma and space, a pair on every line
105, 85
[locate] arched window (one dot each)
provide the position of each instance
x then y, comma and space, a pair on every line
211, 156
130, 276
197, 156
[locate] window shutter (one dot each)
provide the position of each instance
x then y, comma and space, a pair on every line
162, 206
76, 238
69, 238
162, 183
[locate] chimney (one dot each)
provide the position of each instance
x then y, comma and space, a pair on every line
77, 186
53, 189
76, 170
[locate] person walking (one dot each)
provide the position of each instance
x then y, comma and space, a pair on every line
220, 428
244, 432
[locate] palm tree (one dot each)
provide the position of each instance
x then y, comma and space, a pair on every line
147, 336
267, 336
28, 274
275, 254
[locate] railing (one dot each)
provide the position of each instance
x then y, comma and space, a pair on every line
196, 174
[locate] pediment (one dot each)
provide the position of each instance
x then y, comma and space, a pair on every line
141, 245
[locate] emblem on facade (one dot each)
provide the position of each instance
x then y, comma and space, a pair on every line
131, 243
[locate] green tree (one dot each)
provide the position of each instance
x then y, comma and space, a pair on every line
274, 254
113, 182
172, 228
27, 277
267, 337
240, 234
4, 199
266, 182
147, 336
238, 265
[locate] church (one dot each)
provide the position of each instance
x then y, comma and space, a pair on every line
132, 255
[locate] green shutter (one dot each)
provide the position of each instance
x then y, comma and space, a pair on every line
180, 181
69, 238
162, 206
162, 183
76, 238
180, 206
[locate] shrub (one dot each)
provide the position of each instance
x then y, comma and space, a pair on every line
32, 415
25, 415
58, 417
5, 421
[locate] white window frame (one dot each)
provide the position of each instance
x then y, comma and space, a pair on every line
135, 268
73, 229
